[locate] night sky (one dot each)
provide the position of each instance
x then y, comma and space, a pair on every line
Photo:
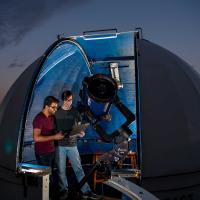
28, 28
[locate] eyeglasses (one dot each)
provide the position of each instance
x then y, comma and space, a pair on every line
68, 100
54, 107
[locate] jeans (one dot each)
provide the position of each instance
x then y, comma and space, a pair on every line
62, 152
46, 159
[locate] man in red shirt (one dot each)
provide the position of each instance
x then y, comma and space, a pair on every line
44, 134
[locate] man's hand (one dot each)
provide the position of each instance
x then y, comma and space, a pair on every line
107, 117
82, 134
58, 136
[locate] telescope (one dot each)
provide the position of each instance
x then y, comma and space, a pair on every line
98, 94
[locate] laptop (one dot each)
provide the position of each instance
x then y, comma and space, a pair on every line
75, 131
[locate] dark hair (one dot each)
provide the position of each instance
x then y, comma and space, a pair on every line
66, 94
49, 100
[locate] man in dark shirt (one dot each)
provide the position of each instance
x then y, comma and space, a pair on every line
43, 132
67, 147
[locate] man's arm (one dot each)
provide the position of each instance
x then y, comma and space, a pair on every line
37, 137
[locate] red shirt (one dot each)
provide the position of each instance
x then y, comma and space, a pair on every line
47, 125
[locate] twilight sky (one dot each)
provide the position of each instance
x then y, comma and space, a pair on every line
29, 27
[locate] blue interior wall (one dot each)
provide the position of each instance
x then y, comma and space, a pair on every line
66, 67
109, 47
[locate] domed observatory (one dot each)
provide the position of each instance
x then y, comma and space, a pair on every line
152, 95
99, 69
